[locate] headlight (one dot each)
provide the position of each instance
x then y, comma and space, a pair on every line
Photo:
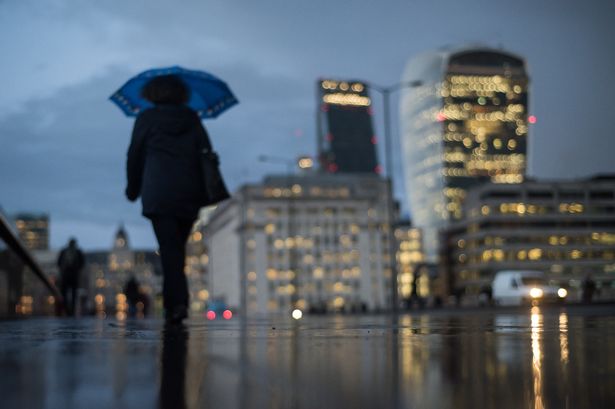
535, 293
562, 293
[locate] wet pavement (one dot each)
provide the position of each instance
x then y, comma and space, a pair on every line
517, 358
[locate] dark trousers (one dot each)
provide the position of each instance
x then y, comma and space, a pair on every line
69, 285
172, 234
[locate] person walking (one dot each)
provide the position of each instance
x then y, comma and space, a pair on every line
70, 264
132, 293
164, 167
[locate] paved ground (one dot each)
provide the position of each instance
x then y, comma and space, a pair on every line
549, 357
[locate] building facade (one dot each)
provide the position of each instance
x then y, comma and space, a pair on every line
197, 265
346, 140
465, 124
107, 273
33, 230
316, 242
564, 228
413, 276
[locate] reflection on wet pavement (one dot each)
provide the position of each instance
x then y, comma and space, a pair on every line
538, 358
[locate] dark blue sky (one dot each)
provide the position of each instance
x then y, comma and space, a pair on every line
64, 144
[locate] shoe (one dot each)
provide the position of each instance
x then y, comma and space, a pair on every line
177, 315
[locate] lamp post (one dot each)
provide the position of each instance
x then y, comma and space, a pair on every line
296, 313
386, 97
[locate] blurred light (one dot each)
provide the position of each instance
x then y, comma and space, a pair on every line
297, 314
531, 119
374, 140
306, 162
332, 167
378, 169
227, 314
211, 315
203, 295
346, 99
536, 292
562, 293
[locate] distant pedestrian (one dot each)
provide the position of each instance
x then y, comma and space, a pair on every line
131, 291
165, 168
70, 263
588, 288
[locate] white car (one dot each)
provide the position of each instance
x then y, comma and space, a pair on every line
517, 287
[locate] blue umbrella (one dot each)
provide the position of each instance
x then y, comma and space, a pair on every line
209, 96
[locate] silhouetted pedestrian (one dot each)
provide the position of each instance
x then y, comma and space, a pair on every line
131, 291
588, 287
165, 168
70, 263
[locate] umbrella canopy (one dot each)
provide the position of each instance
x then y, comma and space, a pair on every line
209, 96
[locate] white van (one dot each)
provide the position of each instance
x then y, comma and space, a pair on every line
517, 287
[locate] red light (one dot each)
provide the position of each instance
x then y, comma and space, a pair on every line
332, 167
211, 315
329, 137
531, 119
227, 314
324, 108
378, 169
374, 139
441, 117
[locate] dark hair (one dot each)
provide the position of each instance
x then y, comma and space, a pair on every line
166, 89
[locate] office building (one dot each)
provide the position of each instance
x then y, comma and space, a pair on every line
465, 124
33, 230
564, 228
316, 242
346, 139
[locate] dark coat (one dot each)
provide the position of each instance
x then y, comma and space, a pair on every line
70, 262
164, 162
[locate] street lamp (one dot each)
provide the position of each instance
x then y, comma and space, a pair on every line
303, 163
386, 96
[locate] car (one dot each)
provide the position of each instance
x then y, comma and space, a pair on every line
218, 309
518, 287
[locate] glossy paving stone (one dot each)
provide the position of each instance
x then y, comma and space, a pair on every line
547, 357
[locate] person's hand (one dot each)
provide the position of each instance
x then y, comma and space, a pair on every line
215, 158
131, 195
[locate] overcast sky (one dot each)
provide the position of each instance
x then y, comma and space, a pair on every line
63, 144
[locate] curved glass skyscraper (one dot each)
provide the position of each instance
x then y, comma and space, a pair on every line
465, 124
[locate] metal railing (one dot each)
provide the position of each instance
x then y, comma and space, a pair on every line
15, 245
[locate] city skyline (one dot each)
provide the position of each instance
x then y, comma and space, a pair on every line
66, 144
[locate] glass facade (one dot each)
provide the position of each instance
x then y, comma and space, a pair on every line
466, 124
346, 140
